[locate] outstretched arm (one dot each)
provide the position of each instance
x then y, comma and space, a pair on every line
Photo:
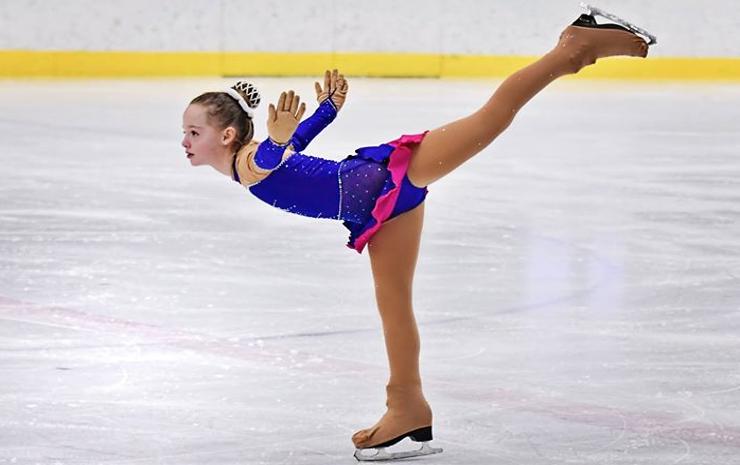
331, 98
281, 124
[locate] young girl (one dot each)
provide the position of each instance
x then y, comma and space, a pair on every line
379, 191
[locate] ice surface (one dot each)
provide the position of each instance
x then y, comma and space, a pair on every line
578, 290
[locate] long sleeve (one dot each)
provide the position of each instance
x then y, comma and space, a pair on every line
313, 125
269, 154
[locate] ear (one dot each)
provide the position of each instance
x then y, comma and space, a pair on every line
228, 136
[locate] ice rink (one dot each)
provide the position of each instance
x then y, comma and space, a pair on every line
578, 289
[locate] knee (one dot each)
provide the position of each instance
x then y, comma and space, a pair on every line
393, 295
392, 289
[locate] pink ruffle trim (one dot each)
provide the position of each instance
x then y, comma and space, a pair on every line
398, 165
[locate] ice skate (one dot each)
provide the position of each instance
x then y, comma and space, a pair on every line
379, 453
408, 416
592, 10
585, 41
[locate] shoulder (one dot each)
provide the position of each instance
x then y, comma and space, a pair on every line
249, 172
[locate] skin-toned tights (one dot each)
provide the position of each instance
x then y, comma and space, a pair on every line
395, 248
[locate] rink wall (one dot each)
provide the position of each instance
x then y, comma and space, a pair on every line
419, 38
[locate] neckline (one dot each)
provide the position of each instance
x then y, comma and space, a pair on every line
234, 172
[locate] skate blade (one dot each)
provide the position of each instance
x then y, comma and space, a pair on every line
592, 10
381, 454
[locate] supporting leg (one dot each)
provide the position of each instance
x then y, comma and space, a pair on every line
393, 254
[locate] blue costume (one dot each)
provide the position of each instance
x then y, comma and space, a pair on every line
363, 190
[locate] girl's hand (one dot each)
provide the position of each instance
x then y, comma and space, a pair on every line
335, 88
282, 121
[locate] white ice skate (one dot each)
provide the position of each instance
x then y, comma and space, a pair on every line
381, 453
592, 10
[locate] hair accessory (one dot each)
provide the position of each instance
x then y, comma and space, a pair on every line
240, 100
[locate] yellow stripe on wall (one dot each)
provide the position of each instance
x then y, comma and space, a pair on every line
22, 64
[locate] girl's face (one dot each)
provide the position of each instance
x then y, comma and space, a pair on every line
204, 144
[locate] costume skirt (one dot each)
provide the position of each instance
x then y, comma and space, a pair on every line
396, 194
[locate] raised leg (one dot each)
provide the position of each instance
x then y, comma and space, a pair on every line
446, 148
393, 255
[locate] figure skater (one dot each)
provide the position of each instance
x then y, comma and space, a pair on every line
379, 191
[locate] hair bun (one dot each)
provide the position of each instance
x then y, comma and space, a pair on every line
249, 92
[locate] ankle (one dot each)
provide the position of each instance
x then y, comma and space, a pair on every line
568, 60
406, 398
405, 390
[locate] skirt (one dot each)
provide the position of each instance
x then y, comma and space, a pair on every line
397, 195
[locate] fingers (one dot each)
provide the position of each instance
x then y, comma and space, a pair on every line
288, 102
334, 82
301, 111
338, 82
294, 101
342, 84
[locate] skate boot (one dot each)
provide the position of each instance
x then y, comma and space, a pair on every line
408, 415
594, 11
585, 41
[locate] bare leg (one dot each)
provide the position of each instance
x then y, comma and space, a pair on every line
446, 148
393, 253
